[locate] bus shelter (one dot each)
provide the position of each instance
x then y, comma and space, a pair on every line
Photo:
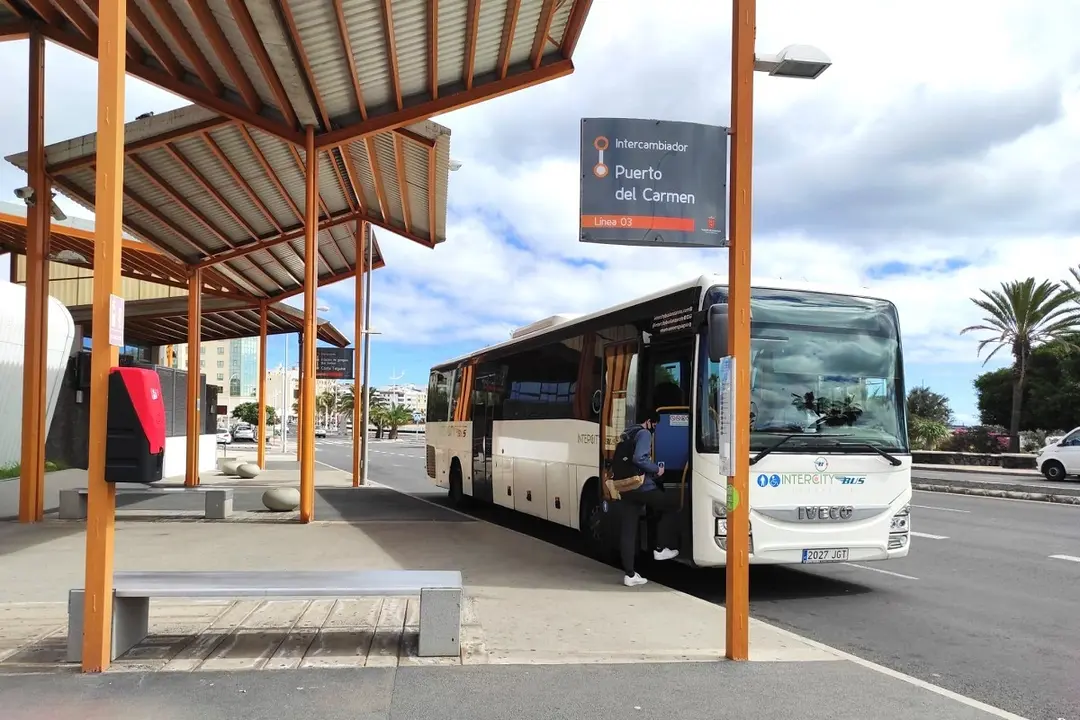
318, 85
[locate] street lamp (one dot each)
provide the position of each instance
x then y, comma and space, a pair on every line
795, 61
803, 62
455, 165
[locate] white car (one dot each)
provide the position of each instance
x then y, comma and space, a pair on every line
1057, 461
320, 432
244, 432
224, 437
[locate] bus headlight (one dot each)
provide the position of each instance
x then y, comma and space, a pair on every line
901, 520
719, 511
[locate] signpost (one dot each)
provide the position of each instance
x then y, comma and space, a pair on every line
653, 182
334, 363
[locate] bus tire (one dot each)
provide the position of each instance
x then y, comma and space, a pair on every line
457, 485
1053, 470
595, 524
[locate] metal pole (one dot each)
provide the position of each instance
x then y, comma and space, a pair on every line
737, 597
285, 407
369, 265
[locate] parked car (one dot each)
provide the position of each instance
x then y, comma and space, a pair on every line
224, 437
1057, 461
320, 432
244, 432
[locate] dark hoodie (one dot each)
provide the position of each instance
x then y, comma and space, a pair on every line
643, 455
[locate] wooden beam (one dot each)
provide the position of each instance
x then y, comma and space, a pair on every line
540, 38
423, 110
513, 7
108, 224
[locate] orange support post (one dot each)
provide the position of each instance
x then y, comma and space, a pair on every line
262, 385
359, 434
35, 333
108, 211
737, 598
194, 371
311, 287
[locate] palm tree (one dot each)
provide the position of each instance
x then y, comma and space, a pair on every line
396, 416
922, 402
1021, 316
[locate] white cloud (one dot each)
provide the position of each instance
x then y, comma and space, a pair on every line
945, 139
915, 148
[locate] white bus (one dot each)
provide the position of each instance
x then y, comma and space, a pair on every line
530, 423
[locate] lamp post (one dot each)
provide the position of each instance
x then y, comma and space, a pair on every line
794, 61
322, 309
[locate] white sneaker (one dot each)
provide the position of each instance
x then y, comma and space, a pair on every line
634, 580
665, 554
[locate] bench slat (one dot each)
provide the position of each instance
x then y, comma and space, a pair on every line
267, 583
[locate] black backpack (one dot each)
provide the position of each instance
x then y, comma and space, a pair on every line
622, 462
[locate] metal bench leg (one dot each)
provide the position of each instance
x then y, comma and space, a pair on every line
72, 505
219, 504
440, 623
130, 624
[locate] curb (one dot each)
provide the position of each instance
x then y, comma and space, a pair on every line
980, 469
1005, 494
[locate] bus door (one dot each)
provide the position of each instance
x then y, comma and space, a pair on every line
666, 382
487, 392
619, 403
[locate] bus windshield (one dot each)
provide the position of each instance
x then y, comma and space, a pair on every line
825, 369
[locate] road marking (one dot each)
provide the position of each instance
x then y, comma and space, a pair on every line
932, 507
929, 536
896, 674
1070, 558
879, 570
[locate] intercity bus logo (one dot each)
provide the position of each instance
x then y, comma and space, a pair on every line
600, 170
776, 480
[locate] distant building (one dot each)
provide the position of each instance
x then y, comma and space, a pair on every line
413, 397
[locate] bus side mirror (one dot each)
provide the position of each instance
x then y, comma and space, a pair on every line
718, 332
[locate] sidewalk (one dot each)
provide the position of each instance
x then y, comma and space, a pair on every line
747, 691
546, 633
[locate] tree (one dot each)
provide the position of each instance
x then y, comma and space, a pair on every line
249, 412
928, 418
926, 434
396, 416
922, 402
1021, 316
1051, 399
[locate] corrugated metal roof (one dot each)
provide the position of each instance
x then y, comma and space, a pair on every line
72, 243
346, 67
208, 193
163, 321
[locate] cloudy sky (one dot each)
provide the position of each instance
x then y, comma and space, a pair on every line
939, 155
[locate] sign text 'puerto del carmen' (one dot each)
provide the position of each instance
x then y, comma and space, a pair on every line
653, 182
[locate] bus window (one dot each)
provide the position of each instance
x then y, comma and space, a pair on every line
438, 408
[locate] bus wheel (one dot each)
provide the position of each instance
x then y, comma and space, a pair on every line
457, 486
595, 521
1053, 470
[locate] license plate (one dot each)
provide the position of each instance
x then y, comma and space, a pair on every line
830, 555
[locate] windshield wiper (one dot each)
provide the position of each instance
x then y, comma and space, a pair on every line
894, 461
772, 447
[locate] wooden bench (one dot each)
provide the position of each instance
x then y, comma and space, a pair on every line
218, 501
440, 594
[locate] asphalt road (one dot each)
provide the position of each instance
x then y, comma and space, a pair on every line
981, 607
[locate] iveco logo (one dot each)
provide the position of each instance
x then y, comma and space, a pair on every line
825, 513
821, 464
